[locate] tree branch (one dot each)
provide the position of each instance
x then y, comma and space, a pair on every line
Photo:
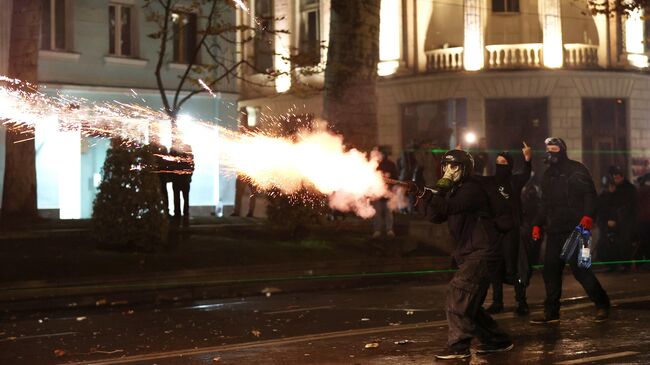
161, 55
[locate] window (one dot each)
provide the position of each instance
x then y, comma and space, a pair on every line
120, 24
184, 29
263, 46
309, 46
505, 6
53, 26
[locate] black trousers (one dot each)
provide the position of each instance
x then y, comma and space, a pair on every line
181, 185
508, 270
553, 267
465, 314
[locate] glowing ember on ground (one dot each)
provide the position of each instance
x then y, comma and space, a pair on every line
315, 160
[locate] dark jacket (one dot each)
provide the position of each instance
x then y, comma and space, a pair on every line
467, 212
388, 168
505, 197
568, 194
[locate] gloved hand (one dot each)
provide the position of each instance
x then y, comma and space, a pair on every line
537, 233
586, 223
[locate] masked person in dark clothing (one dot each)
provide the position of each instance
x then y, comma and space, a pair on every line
505, 189
181, 181
460, 200
568, 200
621, 222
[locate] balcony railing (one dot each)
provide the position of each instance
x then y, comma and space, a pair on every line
523, 55
509, 56
445, 59
580, 55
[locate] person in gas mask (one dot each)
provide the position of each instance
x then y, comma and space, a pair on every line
459, 199
504, 189
568, 200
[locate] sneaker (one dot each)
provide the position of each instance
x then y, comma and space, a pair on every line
495, 308
377, 234
522, 309
494, 347
601, 314
390, 234
545, 319
453, 355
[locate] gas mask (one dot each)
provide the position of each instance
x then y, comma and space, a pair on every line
452, 172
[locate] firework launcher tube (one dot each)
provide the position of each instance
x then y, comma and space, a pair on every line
412, 187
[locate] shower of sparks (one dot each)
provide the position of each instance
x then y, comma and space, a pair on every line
207, 88
240, 3
316, 160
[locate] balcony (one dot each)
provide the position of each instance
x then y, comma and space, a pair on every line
578, 55
445, 59
524, 55
513, 56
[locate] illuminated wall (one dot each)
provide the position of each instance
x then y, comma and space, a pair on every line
282, 45
390, 37
473, 53
634, 42
550, 13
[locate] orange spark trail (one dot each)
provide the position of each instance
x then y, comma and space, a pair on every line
316, 160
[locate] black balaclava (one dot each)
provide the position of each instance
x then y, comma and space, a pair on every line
553, 158
503, 171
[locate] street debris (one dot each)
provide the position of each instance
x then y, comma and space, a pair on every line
365, 319
82, 318
372, 345
268, 291
256, 333
216, 359
409, 312
60, 353
403, 342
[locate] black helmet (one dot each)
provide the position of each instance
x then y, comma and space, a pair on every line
464, 159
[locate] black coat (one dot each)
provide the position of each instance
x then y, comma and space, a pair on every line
505, 200
467, 212
568, 194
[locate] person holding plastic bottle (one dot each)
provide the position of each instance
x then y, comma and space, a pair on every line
568, 204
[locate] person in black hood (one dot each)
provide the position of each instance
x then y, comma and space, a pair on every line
460, 200
504, 189
568, 200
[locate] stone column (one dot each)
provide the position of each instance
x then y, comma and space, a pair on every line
550, 12
473, 50
284, 14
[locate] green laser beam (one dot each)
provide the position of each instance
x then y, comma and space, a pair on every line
592, 152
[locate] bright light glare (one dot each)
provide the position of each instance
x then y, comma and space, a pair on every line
470, 137
389, 37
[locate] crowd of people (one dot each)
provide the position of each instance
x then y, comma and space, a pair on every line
499, 222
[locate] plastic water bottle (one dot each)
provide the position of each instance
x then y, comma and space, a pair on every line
584, 255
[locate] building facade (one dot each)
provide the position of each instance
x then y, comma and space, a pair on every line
100, 51
506, 70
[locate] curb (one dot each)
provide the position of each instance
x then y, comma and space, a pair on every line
211, 284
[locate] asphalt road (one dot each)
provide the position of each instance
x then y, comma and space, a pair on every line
392, 324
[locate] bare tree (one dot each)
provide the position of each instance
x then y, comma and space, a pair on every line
19, 191
213, 30
350, 102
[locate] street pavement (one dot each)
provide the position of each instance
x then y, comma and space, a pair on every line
386, 324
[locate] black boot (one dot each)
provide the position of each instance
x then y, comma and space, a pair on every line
522, 309
495, 308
